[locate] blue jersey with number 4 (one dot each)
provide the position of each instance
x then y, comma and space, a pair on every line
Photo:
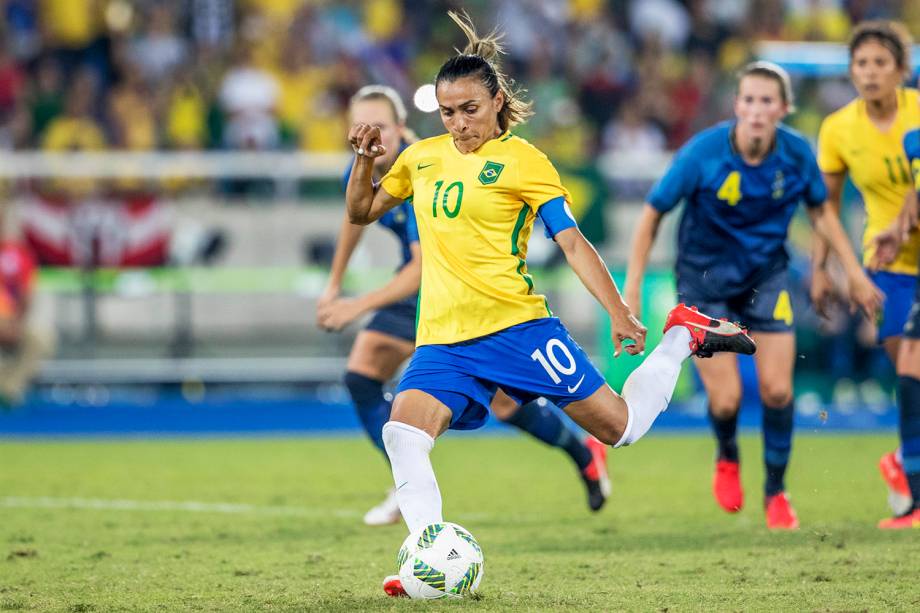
734, 226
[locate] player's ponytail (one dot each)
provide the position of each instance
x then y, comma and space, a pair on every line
480, 59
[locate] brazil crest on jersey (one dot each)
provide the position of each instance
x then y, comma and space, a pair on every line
875, 160
733, 230
475, 213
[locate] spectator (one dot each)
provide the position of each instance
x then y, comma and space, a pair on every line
160, 50
249, 98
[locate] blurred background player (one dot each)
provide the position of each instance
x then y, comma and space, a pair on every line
864, 140
389, 337
22, 343
743, 180
903, 230
480, 325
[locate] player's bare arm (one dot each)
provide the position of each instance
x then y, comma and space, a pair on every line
863, 292
590, 268
643, 239
366, 202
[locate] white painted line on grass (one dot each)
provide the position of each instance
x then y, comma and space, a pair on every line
50, 502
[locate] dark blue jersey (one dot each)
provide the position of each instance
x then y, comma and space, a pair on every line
734, 226
401, 221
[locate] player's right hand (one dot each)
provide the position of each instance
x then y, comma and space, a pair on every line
625, 326
325, 299
365, 140
822, 292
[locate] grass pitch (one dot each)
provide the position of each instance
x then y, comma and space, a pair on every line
275, 525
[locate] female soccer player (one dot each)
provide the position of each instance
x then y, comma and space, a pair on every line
908, 365
864, 140
743, 180
477, 190
389, 338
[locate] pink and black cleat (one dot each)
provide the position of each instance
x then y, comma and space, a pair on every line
709, 335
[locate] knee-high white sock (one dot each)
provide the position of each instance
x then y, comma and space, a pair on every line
416, 487
648, 389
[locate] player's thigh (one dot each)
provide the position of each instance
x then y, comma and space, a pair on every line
909, 358
603, 414
721, 381
503, 406
377, 355
775, 359
421, 410
892, 346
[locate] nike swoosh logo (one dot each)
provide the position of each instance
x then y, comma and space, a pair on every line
420, 167
573, 389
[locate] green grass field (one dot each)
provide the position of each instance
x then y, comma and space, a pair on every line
108, 526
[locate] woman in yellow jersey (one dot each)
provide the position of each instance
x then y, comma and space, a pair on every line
388, 339
864, 140
481, 326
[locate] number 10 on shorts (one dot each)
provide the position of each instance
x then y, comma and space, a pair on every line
550, 361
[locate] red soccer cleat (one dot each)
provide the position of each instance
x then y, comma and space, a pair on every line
780, 514
392, 586
899, 498
597, 481
709, 335
726, 486
910, 520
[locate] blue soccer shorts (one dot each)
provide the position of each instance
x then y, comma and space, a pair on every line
529, 360
766, 307
899, 292
397, 319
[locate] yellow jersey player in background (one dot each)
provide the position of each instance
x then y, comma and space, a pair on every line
865, 140
481, 325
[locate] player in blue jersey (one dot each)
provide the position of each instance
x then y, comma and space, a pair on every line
888, 245
742, 181
389, 337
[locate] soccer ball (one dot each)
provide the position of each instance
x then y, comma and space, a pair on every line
440, 560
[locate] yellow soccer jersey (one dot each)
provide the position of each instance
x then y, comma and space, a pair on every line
875, 160
475, 213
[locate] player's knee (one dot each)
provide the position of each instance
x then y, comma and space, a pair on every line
724, 404
609, 433
776, 395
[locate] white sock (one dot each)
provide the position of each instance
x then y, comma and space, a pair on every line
648, 389
416, 487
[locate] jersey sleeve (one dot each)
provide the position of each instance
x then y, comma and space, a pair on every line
829, 159
680, 180
816, 193
398, 181
540, 182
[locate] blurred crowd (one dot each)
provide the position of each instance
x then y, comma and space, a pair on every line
269, 74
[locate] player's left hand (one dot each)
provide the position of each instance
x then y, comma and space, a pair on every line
865, 295
337, 314
887, 244
625, 327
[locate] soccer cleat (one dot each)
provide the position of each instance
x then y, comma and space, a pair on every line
780, 514
392, 586
899, 498
726, 486
595, 476
385, 513
708, 335
908, 520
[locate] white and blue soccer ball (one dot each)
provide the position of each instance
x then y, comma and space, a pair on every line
440, 560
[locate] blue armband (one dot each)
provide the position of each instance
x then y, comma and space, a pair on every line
556, 216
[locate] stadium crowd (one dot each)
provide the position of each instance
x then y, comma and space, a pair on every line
270, 74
